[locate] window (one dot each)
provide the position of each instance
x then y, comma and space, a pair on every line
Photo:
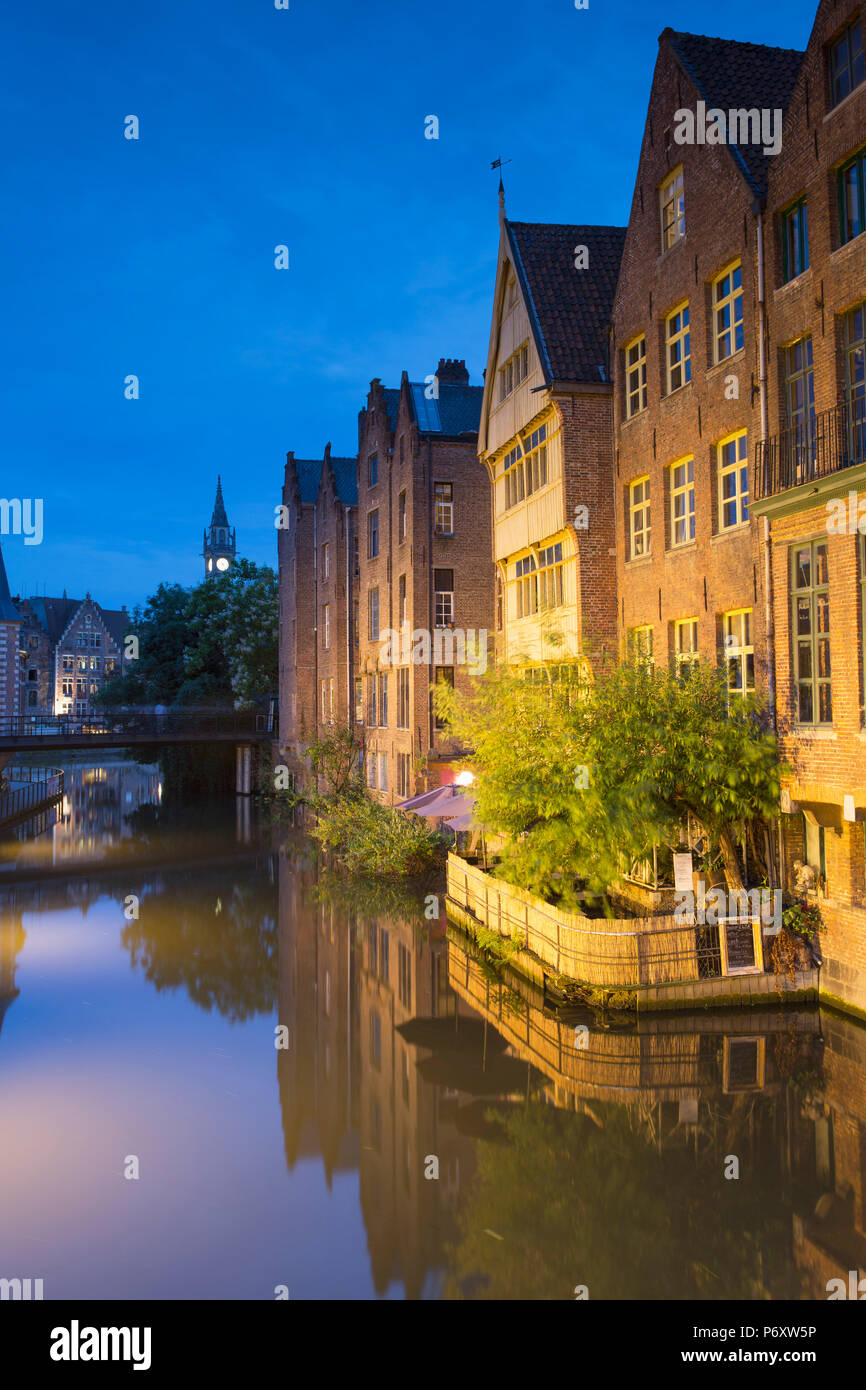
372, 534
356, 624
550, 577
33, 674
640, 645
679, 352
403, 697
846, 63
371, 702
513, 468
404, 774
639, 527
635, 377
373, 615
375, 1040
34, 642
800, 402
444, 676
326, 625
331, 700
383, 700
357, 564
795, 241
32, 699
323, 693
733, 481
372, 470
855, 381
535, 459
66, 688
404, 965
673, 209
359, 700
326, 561
739, 653
685, 646
527, 589
68, 663
371, 770
682, 502
82, 663
402, 607
383, 772
810, 627
443, 587
401, 517
443, 509
515, 371
109, 666
728, 313
852, 197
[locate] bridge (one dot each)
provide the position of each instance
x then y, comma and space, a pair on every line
128, 728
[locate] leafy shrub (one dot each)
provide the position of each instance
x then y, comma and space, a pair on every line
370, 839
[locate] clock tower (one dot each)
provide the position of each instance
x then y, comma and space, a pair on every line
219, 538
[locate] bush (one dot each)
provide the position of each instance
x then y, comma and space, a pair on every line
374, 840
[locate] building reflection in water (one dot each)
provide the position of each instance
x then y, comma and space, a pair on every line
403, 1047
94, 817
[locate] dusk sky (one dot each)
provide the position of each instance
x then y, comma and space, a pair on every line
258, 127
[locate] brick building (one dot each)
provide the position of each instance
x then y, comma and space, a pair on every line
296, 552
10, 622
334, 576
425, 579
686, 336
68, 649
546, 440
810, 478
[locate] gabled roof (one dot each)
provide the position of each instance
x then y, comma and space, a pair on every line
309, 473
8, 612
569, 309
53, 614
456, 411
729, 75
117, 622
392, 404
346, 480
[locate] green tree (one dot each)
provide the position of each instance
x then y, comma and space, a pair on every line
579, 778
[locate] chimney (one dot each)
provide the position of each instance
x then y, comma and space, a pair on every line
452, 372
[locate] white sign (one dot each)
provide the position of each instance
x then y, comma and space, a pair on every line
849, 812
683, 872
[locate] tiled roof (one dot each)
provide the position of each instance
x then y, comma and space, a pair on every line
570, 309
117, 623
346, 479
392, 404
8, 612
309, 473
456, 411
729, 75
53, 614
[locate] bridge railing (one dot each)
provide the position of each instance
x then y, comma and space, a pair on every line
193, 724
22, 788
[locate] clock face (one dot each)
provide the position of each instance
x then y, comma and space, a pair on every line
222, 563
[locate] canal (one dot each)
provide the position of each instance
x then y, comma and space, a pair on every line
226, 1075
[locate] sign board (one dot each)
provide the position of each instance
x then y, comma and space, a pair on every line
683, 873
849, 811
742, 952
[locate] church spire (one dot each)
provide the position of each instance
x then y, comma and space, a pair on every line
8, 612
219, 538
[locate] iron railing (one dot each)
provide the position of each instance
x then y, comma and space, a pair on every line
133, 724
36, 786
811, 450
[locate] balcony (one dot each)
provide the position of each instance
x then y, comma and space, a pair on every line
810, 451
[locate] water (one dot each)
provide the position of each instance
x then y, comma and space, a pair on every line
569, 1154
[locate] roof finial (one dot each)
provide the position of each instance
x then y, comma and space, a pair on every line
497, 164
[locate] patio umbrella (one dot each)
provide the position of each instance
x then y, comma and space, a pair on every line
460, 1034
502, 1075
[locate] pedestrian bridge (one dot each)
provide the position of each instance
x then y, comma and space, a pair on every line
21, 732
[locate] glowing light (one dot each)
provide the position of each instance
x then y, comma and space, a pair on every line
464, 779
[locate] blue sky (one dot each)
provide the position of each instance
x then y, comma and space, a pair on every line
261, 127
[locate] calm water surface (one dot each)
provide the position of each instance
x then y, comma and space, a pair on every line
559, 1165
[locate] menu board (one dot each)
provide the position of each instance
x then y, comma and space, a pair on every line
740, 941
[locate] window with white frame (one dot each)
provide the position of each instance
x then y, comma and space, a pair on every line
443, 509
326, 561
728, 313
515, 371
372, 534
443, 589
672, 208
682, 489
331, 700
373, 615
383, 772
635, 377
326, 626
639, 523
685, 645
739, 652
678, 350
733, 469
550, 576
383, 699
640, 645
